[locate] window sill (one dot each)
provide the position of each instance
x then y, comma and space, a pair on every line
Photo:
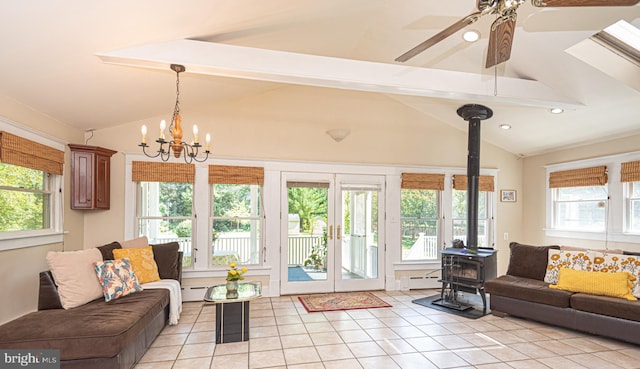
598, 236
417, 265
220, 273
19, 240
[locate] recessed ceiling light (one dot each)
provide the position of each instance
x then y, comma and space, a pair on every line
556, 110
471, 36
505, 126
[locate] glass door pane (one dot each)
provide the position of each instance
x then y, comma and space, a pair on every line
361, 247
308, 253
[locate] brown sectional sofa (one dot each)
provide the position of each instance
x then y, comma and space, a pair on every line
522, 292
97, 335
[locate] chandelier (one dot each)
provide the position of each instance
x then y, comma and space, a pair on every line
179, 147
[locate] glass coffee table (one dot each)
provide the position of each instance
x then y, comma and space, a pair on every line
232, 315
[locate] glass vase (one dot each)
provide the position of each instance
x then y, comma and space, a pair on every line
232, 289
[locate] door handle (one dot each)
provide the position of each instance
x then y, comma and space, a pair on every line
338, 231
330, 235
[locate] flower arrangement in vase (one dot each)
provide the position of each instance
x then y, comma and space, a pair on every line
233, 276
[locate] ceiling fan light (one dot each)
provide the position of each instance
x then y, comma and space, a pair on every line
556, 110
471, 36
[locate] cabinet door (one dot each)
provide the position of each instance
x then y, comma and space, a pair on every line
103, 164
82, 181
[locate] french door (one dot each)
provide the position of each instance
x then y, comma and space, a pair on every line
332, 232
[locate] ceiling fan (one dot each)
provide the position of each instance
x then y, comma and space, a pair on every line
503, 28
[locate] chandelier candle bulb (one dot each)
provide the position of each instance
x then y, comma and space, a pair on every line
143, 130
163, 125
195, 133
207, 139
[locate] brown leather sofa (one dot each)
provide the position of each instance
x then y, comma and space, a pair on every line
522, 292
97, 335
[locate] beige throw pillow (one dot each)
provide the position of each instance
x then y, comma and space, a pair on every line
75, 276
135, 243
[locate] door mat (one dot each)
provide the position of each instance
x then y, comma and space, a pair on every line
297, 274
469, 311
341, 301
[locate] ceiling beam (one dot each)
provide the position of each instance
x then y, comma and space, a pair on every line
209, 58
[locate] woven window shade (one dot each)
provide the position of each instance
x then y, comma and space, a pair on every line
422, 181
485, 183
229, 174
594, 176
147, 171
630, 172
26, 153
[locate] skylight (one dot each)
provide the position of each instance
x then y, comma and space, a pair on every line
622, 38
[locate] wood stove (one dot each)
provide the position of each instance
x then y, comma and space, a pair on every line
466, 270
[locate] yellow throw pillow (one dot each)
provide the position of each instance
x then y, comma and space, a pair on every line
142, 261
596, 283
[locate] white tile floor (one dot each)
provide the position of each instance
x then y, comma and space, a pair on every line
407, 336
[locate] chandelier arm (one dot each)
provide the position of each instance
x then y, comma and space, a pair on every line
144, 147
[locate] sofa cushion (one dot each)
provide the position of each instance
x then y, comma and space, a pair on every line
604, 305
166, 257
107, 250
527, 289
528, 261
142, 261
596, 283
94, 330
75, 277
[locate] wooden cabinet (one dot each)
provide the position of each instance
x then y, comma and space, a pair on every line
90, 177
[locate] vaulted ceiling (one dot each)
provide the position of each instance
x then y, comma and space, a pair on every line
57, 58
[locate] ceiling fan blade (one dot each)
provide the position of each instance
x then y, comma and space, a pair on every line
472, 18
558, 3
501, 40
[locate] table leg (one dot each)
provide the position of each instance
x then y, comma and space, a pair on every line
232, 322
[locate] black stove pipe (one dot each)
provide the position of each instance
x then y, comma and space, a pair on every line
473, 113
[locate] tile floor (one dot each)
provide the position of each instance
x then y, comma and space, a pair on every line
407, 336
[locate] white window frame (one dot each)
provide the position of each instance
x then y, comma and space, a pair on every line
53, 234
617, 214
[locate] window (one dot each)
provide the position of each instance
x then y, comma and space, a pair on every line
164, 205
419, 214
630, 176
459, 209
236, 214
633, 204
579, 199
580, 208
30, 192
236, 224
459, 217
25, 199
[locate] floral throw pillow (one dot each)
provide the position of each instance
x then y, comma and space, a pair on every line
117, 278
616, 263
576, 260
